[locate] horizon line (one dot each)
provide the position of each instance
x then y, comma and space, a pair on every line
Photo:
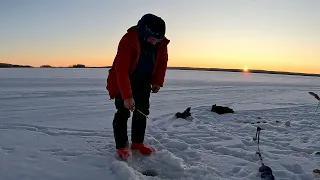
178, 68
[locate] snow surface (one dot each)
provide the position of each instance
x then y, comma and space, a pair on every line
57, 124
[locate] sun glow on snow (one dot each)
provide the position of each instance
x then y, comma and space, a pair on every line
245, 69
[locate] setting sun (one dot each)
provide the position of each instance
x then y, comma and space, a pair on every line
245, 69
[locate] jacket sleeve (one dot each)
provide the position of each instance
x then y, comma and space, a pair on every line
162, 68
122, 65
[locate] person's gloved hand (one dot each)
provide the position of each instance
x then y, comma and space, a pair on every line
155, 88
129, 104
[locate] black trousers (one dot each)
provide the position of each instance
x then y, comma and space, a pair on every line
141, 94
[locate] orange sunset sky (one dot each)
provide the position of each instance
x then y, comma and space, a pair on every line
266, 34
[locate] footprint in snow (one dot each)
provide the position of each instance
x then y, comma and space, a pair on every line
8, 149
295, 168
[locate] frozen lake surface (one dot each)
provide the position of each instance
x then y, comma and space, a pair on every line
56, 124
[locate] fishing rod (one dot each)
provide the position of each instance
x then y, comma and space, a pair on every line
134, 108
266, 171
317, 98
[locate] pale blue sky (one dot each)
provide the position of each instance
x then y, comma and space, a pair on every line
224, 31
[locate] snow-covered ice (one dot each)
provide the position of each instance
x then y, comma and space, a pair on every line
57, 124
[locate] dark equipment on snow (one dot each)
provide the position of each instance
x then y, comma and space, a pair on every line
314, 95
149, 172
185, 114
316, 171
266, 172
221, 109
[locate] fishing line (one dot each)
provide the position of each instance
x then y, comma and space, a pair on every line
315, 112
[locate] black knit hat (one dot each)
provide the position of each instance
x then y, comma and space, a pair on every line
151, 25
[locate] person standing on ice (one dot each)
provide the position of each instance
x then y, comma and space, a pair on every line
138, 69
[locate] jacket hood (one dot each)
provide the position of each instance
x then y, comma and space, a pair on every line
151, 25
134, 29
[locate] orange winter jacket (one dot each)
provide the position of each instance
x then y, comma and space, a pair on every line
126, 60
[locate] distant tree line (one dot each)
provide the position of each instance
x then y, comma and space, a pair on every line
6, 65
46, 66
72, 66
77, 66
